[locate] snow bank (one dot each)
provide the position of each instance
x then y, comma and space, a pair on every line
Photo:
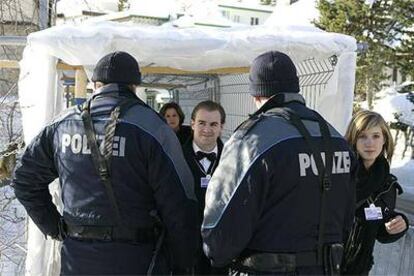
395, 103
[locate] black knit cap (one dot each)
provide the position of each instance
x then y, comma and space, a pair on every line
273, 72
117, 67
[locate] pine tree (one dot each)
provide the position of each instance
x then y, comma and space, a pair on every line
384, 26
122, 5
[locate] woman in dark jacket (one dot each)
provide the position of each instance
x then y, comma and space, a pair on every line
375, 217
174, 116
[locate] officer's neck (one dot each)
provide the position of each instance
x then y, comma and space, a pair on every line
279, 100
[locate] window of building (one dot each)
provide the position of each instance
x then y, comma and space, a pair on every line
236, 18
226, 14
254, 21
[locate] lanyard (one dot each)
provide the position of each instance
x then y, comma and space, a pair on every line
210, 169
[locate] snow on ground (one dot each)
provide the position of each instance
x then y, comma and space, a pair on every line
388, 103
403, 167
12, 234
391, 103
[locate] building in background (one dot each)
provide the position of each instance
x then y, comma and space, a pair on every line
249, 12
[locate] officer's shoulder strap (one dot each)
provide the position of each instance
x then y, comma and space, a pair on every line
324, 168
247, 125
102, 161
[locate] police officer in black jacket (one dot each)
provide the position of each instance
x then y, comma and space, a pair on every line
273, 193
129, 203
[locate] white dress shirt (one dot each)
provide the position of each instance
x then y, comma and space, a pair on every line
204, 162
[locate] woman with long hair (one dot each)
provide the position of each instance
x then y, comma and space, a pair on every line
174, 116
376, 192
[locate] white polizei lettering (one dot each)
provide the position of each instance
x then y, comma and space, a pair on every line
115, 146
347, 161
323, 158
118, 147
313, 165
85, 146
304, 163
339, 167
76, 144
122, 147
65, 141
341, 163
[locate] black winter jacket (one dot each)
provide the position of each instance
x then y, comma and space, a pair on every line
198, 173
265, 196
148, 171
358, 258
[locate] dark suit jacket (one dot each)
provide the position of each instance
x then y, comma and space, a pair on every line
198, 173
202, 266
184, 134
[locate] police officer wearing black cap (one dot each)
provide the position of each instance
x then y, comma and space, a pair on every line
129, 203
282, 198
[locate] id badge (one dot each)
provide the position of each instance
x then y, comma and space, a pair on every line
204, 181
373, 213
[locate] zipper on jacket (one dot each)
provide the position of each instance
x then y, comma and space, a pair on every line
383, 192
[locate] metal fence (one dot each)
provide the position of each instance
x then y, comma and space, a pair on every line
395, 258
231, 91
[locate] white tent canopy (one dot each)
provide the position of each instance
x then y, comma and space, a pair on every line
194, 49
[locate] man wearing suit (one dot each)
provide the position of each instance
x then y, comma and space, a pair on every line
202, 153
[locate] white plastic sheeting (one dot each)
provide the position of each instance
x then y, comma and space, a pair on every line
188, 49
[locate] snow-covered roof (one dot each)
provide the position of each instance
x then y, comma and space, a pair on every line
72, 8
299, 13
188, 21
153, 8
126, 15
202, 13
246, 4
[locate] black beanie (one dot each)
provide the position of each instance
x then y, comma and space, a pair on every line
117, 67
273, 72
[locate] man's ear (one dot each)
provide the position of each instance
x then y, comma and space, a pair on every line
192, 124
259, 101
97, 85
132, 87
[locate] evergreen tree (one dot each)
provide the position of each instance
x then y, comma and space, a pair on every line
122, 5
386, 26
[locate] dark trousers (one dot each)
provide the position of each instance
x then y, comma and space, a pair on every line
109, 258
203, 267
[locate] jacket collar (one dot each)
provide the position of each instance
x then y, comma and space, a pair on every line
112, 88
280, 100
